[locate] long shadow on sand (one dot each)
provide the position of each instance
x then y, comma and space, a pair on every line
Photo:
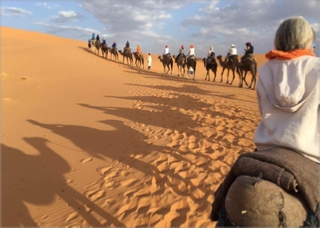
103, 143
39, 180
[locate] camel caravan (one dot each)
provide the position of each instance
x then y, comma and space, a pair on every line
186, 63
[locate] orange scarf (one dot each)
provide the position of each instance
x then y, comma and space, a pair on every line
281, 55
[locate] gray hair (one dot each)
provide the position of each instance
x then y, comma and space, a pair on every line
294, 33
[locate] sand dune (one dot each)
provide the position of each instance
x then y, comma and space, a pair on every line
89, 141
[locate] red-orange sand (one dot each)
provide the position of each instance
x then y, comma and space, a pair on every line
87, 141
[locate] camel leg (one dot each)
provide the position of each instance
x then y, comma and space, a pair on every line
227, 82
222, 74
252, 80
207, 78
244, 77
215, 75
233, 73
240, 77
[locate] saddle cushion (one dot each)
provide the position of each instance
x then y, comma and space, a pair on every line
252, 201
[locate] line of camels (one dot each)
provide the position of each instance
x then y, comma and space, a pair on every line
183, 63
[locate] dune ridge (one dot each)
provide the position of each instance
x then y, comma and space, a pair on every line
88, 141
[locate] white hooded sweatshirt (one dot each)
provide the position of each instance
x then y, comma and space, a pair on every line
288, 94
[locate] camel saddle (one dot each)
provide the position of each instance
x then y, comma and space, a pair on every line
275, 187
137, 54
126, 50
192, 57
211, 60
167, 56
180, 56
231, 58
248, 57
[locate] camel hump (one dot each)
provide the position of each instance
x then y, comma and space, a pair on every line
252, 201
127, 49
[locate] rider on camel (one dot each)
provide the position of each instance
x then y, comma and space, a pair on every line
166, 51
138, 50
98, 38
248, 52
93, 36
191, 52
114, 45
211, 55
127, 47
181, 52
232, 53
104, 41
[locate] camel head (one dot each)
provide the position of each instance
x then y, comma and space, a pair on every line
219, 57
160, 57
120, 51
174, 56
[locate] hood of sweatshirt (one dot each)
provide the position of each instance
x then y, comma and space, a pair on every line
289, 83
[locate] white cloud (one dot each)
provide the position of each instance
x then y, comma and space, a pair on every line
46, 5
225, 22
73, 29
217, 23
164, 16
66, 16
14, 12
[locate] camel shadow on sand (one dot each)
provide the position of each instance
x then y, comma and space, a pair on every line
100, 143
39, 180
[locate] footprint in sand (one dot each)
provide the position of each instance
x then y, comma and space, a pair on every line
93, 184
104, 170
69, 181
111, 175
129, 183
165, 166
86, 160
72, 216
95, 194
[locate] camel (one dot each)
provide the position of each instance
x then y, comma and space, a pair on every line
104, 50
212, 65
191, 62
127, 55
98, 46
167, 61
181, 64
229, 65
113, 52
249, 65
139, 59
92, 42
95, 46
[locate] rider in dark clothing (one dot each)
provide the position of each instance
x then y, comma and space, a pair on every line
98, 38
127, 44
248, 52
114, 45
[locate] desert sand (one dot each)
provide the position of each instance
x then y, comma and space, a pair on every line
88, 141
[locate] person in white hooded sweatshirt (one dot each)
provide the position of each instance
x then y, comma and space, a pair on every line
287, 141
288, 92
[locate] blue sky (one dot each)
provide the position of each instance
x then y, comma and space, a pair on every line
155, 23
